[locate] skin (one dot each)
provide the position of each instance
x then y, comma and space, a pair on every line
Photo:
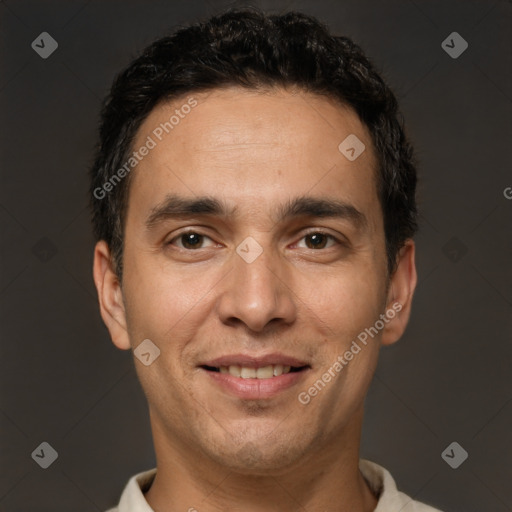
255, 150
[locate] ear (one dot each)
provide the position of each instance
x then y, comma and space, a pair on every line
400, 293
110, 296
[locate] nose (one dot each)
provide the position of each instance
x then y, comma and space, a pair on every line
257, 294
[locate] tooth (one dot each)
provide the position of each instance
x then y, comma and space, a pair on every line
278, 370
264, 373
248, 373
234, 370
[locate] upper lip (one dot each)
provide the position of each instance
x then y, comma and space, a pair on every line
250, 361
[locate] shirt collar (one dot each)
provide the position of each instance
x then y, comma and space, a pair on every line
132, 499
378, 478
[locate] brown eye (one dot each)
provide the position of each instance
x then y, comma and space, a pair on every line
317, 240
190, 240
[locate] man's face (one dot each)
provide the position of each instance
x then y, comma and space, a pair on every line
191, 284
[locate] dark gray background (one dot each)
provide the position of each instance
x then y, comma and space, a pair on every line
448, 379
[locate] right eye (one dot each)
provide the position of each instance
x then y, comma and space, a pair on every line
190, 240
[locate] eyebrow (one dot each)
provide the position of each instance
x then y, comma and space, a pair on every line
175, 207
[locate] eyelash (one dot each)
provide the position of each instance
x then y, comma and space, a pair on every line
316, 232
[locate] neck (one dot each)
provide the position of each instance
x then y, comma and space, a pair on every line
325, 476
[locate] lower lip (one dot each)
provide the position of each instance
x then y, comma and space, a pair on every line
256, 389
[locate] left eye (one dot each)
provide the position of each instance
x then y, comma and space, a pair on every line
190, 240
317, 240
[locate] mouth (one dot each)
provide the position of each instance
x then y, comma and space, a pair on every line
270, 371
255, 378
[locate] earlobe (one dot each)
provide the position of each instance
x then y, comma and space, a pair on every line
110, 296
400, 294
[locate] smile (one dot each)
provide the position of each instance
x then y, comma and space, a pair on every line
263, 372
255, 383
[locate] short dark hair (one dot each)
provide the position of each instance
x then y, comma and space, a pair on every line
253, 50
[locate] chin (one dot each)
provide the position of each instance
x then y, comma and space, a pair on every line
258, 452
253, 459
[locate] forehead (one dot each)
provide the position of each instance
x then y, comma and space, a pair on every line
243, 144
225, 118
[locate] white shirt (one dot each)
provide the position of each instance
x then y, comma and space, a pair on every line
379, 479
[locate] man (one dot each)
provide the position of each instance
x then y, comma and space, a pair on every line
254, 203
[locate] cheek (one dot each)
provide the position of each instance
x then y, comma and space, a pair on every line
165, 304
347, 300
